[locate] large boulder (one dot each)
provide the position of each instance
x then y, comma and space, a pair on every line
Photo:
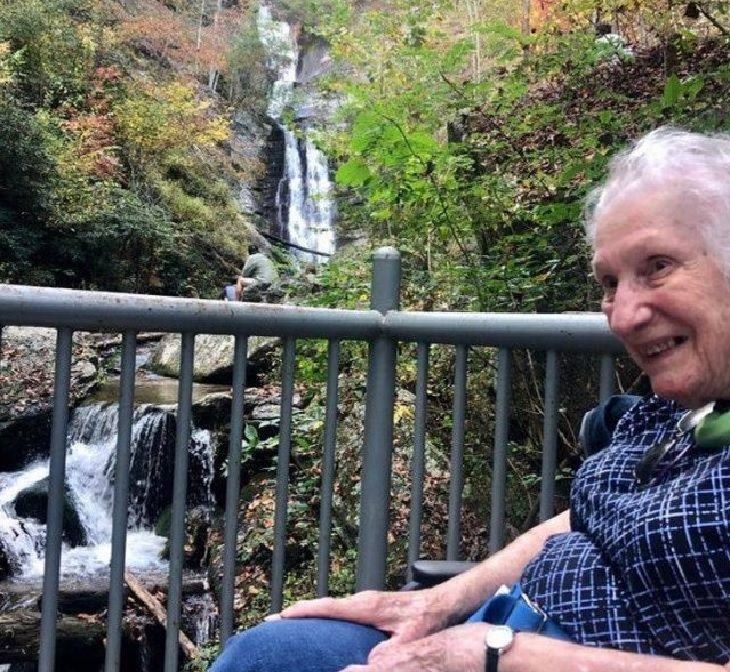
33, 503
213, 356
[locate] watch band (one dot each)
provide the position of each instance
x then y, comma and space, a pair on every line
491, 660
498, 639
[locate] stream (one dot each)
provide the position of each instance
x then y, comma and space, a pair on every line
90, 464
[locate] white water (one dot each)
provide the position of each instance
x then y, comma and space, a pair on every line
305, 190
90, 461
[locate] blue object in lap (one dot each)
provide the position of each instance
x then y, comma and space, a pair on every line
512, 607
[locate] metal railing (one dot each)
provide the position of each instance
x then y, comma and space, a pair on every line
384, 327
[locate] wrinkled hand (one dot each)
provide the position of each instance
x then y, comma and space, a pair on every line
405, 616
457, 649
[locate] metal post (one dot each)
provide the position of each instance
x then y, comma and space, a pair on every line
378, 439
418, 464
177, 518
233, 486
550, 436
501, 432
457, 454
54, 519
288, 365
328, 470
120, 507
607, 385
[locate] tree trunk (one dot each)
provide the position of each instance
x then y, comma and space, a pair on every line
79, 640
158, 611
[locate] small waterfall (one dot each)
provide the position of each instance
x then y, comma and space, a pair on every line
304, 198
90, 463
200, 618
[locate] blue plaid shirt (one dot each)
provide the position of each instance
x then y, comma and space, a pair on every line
644, 569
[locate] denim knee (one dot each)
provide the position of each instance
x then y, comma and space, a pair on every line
298, 645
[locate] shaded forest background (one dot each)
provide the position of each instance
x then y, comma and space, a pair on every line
468, 134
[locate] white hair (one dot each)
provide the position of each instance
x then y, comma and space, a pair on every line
696, 165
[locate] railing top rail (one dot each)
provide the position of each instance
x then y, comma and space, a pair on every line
109, 311
545, 331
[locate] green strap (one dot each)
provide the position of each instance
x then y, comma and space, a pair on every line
713, 431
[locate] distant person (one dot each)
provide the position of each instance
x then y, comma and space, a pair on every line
257, 277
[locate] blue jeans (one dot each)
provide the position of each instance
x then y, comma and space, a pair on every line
298, 645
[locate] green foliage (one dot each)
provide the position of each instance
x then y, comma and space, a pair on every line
105, 177
52, 55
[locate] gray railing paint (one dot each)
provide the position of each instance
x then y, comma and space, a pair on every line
282, 475
418, 462
177, 517
119, 506
383, 327
378, 439
328, 469
54, 519
233, 486
550, 436
456, 462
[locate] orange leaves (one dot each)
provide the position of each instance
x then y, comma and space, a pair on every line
95, 145
193, 35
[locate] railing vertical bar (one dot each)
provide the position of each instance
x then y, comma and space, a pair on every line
418, 465
282, 475
456, 469
120, 507
501, 436
550, 436
177, 519
328, 469
233, 486
54, 519
377, 452
607, 385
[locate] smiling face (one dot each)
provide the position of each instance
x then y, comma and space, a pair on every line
664, 296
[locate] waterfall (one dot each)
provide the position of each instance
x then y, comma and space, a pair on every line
304, 204
90, 464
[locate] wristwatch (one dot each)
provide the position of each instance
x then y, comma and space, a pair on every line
499, 638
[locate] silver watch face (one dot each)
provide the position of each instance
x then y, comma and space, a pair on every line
499, 637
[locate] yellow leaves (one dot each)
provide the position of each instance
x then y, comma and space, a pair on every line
6, 73
402, 412
168, 117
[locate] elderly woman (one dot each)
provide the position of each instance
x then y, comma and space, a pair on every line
637, 574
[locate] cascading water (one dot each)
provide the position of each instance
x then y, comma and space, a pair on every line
90, 463
304, 197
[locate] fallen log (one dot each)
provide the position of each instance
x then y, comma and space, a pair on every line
154, 606
77, 638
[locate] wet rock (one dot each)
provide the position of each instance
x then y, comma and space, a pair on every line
33, 503
197, 529
213, 356
214, 410
84, 371
5, 567
25, 438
